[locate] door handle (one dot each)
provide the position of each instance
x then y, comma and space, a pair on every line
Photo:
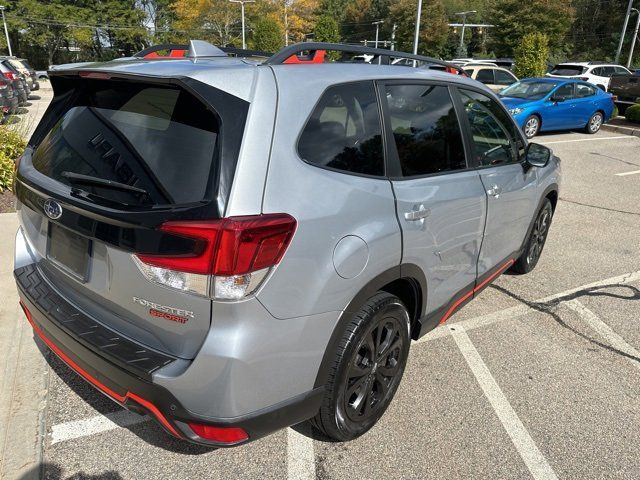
495, 191
418, 213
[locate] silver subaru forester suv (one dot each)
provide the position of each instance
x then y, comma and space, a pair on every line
235, 246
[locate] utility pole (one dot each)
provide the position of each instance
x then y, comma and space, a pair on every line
377, 24
624, 30
393, 37
635, 37
417, 34
464, 24
6, 31
242, 2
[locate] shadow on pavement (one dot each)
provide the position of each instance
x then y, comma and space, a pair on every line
53, 471
149, 431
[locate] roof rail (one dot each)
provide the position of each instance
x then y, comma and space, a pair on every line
284, 55
201, 49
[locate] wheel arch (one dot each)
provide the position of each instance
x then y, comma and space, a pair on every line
407, 281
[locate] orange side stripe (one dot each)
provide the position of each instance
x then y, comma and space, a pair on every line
457, 303
94, 381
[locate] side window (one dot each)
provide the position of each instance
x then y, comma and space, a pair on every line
495, 137
564, 92
344, 131
621, 70
584, 90
598, 72
485, 76
425, 129
504, 78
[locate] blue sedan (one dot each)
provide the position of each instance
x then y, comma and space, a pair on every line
547, 104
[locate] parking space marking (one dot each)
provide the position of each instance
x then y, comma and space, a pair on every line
520, 310
587, 140
301, 464
526, 447
604, 330
624, 174
301, 461
90, 426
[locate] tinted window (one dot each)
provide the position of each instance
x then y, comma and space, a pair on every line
564, 92
584, 90
344, 131
568, 70
494, 133
504, 78
599, 72
621, 70
158, 139
425, 128
485, 76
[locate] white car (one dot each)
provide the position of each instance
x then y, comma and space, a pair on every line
597, 73
496, 78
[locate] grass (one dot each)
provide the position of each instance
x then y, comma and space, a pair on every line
12, 144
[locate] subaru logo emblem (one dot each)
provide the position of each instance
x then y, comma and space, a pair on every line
52, 209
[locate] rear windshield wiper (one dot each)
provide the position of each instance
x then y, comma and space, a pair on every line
101, 182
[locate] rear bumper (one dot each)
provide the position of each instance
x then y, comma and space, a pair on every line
130, 389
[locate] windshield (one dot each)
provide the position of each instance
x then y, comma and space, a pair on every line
528, 90
568, 70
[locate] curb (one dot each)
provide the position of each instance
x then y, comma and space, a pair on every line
634, 131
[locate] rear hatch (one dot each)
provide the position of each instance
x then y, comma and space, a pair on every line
113, 160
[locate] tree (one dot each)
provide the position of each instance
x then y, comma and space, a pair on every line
267, 35
434, 28
217, 21
513, 19
326, 30
531, 55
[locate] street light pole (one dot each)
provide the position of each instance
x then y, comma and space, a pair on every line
624, 30
242, 2
635, 37
417, 33
464, 24
6, 31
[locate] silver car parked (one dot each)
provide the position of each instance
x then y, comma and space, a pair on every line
235, 246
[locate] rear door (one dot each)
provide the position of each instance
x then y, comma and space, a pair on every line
497, 149
585, 103
110, 163
440, 200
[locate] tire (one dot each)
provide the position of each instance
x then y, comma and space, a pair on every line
594, 123
360, 386
535, 243
531, 126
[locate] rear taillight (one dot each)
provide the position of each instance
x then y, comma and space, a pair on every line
10, 75
230, 259
3, 84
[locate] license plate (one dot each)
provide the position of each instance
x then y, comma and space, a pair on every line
69, 251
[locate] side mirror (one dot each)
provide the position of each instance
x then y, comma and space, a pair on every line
537, 155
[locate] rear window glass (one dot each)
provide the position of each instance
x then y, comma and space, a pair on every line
156, 144
568, 70
344, 131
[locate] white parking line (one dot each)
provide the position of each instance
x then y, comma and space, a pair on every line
604, 330
633, 172
301, 462
526, 447
90, 426
587, 139
301, 454
521, 309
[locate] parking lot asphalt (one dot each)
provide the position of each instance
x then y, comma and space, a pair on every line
538, 377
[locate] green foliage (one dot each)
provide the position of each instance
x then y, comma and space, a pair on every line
513, 19
633, 113
531, 55
268, 35
11, 147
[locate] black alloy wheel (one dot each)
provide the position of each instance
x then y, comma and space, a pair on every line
537, 238
367, 370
